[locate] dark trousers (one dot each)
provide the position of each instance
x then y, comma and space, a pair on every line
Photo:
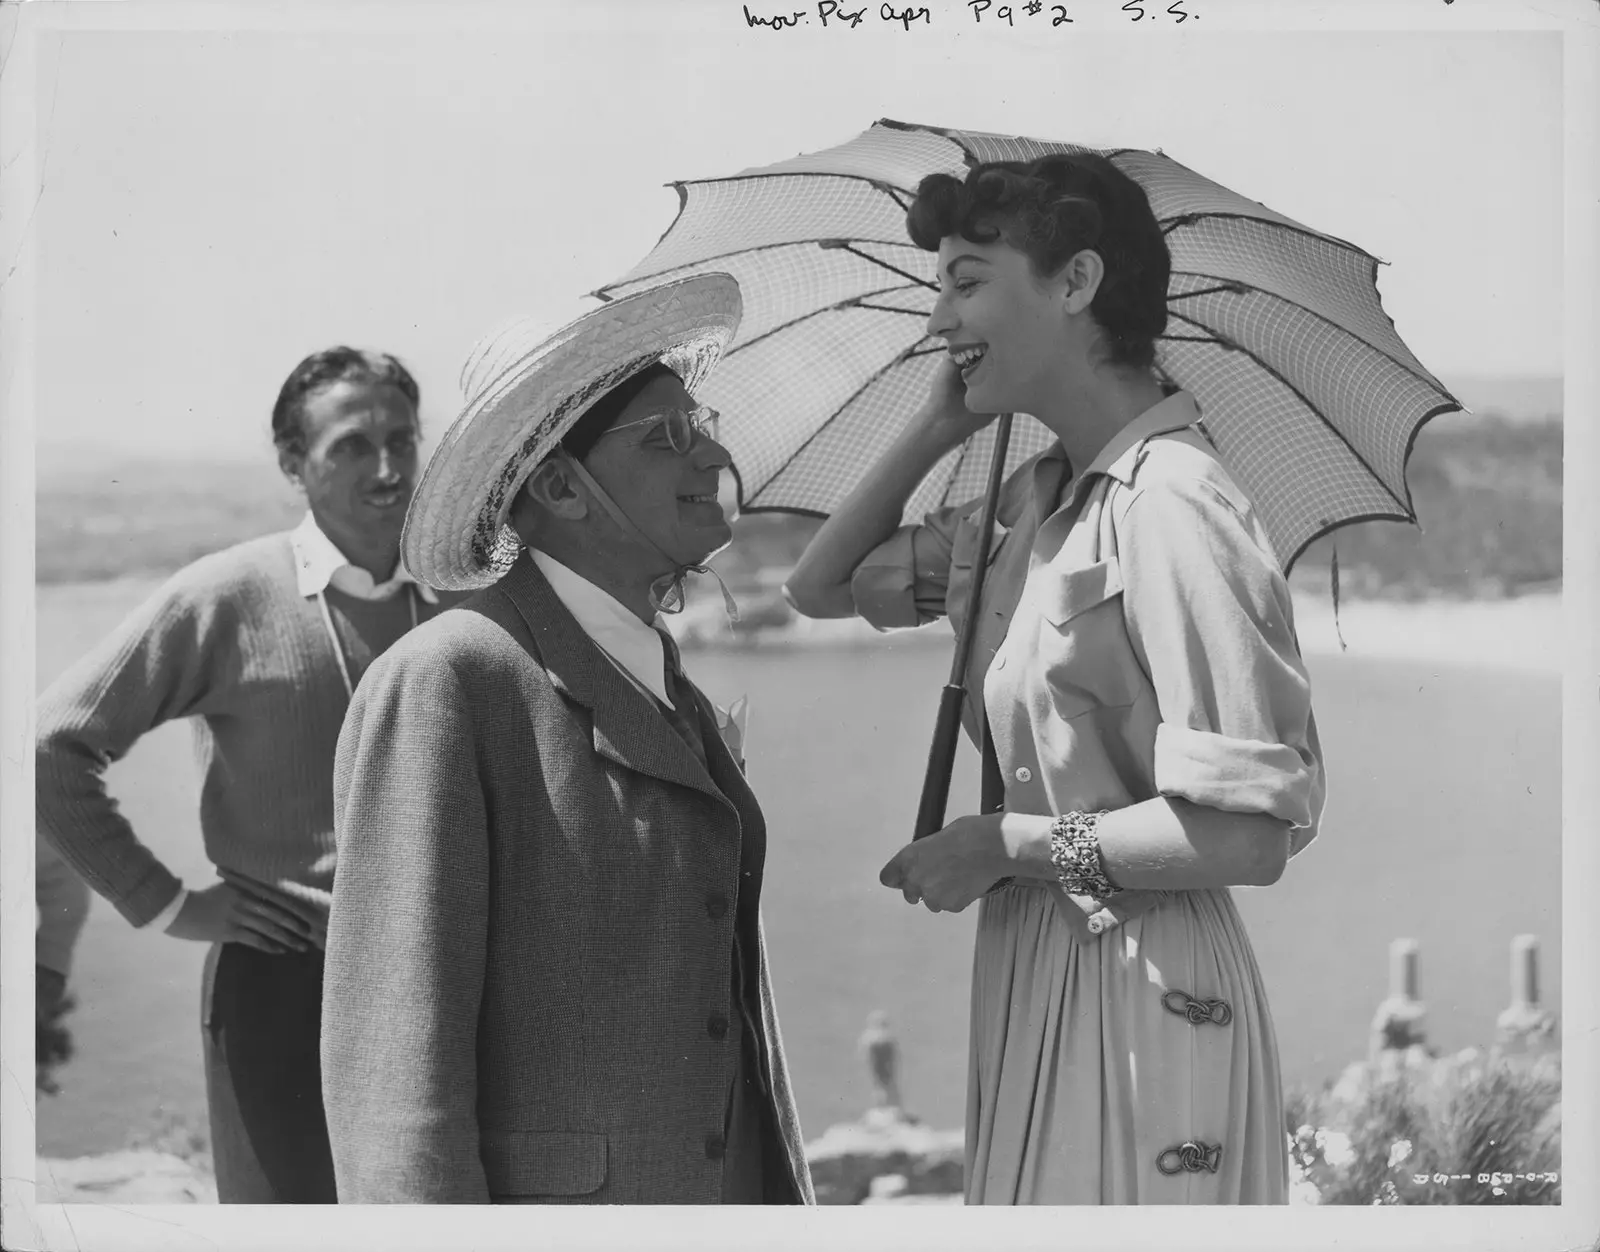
261, 1020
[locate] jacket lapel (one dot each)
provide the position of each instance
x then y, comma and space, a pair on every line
628, 728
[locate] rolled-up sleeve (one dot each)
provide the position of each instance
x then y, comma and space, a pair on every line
903, 581
1209, 616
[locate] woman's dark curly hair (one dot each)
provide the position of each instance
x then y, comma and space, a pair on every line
332, 365
1050, 209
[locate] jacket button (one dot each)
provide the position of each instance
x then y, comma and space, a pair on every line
716, 905
1024, 774
717, 1026
715, 1147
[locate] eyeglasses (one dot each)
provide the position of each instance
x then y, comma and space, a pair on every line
682, 425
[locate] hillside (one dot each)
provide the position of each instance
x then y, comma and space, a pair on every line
1487, 492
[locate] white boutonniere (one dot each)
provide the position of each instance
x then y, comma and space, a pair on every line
732, 723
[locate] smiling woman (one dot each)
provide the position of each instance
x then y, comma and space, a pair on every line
1136, 691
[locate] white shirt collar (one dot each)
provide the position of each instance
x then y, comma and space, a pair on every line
318, 565
1121, 454
635, 647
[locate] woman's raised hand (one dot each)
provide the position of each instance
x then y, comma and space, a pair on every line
944, 415
821, 583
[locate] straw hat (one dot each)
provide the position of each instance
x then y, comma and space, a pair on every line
524, 386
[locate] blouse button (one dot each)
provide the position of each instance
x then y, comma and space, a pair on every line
1096, 925
1024, 774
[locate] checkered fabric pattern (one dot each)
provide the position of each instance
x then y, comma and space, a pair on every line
1277, 329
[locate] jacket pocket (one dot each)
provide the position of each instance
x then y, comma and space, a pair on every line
542, 1163
1084, 650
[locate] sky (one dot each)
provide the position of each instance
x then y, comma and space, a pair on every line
216, 204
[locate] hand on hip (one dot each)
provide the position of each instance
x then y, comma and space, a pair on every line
258, 916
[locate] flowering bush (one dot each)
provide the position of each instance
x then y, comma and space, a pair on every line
1413, 1129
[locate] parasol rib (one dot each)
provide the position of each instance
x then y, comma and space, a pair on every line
843, 245
1239, 287
899, 359
1170, 224
888, 308
1231, 346
1357, 518
654, 277
855, 302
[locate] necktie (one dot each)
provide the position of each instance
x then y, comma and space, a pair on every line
683, 712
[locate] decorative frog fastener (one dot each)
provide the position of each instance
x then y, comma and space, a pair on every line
1191, 1157
1199, 1012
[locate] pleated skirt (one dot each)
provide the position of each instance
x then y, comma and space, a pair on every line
1137, 1066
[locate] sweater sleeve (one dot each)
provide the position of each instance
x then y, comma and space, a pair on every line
175, 656
63, 903
407, 941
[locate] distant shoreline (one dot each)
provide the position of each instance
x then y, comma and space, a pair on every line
1520, 633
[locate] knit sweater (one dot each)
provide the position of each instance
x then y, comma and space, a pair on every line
229, 642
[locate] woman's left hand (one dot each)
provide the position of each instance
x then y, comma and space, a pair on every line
950, 868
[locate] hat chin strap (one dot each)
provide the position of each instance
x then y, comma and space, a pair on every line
667, 593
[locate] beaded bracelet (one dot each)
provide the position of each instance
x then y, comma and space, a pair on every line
1075, 853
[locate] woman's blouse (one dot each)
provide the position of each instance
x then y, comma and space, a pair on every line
1137, 634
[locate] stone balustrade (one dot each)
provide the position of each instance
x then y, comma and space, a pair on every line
888, 1155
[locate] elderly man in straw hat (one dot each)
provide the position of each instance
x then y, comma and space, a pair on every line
546, 977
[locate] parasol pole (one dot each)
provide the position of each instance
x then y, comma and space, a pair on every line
947, 726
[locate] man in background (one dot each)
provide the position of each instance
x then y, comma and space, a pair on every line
261, 645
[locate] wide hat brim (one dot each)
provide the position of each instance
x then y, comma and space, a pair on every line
524, 391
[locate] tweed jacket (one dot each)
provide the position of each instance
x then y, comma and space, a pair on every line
532, 926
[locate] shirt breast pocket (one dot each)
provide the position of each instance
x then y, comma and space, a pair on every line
1084, 652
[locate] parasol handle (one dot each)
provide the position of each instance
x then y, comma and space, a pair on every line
947, 726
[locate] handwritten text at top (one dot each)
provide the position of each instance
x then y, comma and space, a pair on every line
850, 14
1137, 11
833, 13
